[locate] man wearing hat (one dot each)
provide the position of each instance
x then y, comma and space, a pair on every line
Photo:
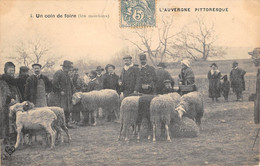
99, 77
214, 77
63, 89
147, 77
37, 86
237, 80
23, 75
162, 75
128, 76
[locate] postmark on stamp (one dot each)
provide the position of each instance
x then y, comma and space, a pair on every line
137, 13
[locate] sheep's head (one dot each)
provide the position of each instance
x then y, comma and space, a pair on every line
24, 106
180, 110
76, 98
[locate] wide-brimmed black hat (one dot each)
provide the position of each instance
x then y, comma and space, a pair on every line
127, 57
24, 68
142, 56
109, 65
161, 64
99, 68
67, 63
37, 64
214, 64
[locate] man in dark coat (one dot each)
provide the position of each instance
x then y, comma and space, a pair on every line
162, 75
111, 79
146, 78
23, 75
63, 89
100, 77
37, 86
79, 86
128, 77
237, 80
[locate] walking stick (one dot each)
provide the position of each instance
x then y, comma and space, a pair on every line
256, 138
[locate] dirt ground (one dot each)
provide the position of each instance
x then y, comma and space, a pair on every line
226, 138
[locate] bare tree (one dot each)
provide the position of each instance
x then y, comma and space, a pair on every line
34, 51
156, 52
197, 43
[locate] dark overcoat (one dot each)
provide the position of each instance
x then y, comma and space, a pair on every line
12, 84
257, 101
129, 79
162, 75
237, 79
187, 76
5, 98
62, 82
110, 81
21, 86
31, 87
94, 85
214, 84
146, 76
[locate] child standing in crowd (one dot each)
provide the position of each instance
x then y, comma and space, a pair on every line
225, 87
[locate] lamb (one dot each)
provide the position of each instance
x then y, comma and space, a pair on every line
162, 111
191, 106
128, 114
60, 122
33, 119
107, 99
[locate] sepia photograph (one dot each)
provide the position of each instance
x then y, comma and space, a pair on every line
129, 82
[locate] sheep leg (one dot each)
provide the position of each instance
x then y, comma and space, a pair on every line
168, 133
154, 128
18, 138
65, 129
126, 133
94, 113
52, 134
121, 128
138, 132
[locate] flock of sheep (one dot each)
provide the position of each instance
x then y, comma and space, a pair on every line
158, 110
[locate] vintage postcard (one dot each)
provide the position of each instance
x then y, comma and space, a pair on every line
129, 82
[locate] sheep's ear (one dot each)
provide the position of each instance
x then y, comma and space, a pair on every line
78, 95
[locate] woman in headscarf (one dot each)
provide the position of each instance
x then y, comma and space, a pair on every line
214, 77
186, 77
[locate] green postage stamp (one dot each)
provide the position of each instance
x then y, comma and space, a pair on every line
137, 13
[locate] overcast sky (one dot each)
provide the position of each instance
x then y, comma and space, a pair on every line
100, 38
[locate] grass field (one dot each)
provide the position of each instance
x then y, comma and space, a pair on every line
226, 138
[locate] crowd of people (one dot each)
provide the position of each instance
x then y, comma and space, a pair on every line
133, 79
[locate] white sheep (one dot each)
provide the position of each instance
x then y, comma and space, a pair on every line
107, 99
128, 114
33, 119
191, 106
162, 111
